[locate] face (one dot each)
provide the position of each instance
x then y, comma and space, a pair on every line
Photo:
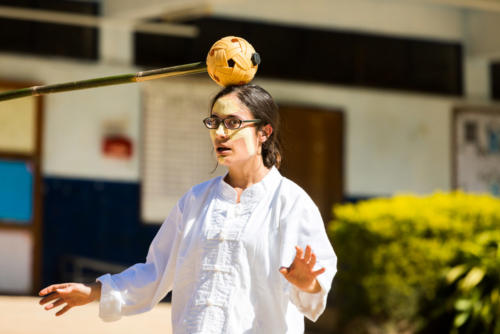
234, 146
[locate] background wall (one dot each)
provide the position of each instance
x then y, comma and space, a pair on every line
74, 121
396, 134
394, 142
404, 18
414, 120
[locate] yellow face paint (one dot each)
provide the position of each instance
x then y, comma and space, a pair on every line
230, 105
226, 105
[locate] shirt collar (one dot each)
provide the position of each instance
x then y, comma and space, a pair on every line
254, 192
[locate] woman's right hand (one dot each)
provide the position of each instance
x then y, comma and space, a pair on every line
71, 294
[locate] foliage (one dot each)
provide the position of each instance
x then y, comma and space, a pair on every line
394, 254
470, 294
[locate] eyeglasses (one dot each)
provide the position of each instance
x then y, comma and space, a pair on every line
231, 123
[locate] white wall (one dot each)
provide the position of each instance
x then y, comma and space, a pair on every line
394, 142
16, 250
481, 34
394, 17
73, 124
481, 31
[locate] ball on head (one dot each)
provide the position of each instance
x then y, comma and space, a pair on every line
232, 61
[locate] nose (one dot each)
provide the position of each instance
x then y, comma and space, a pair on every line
221, 130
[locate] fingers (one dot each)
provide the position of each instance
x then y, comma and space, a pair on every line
312, 262
57, 293
49, 298
319, 271
55, 304
46, 291
64, 290
307, 255
299, 252
52, 288
63, 310
303, 257
284, 271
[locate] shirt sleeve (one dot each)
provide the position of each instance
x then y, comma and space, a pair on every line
303, 226
140, 287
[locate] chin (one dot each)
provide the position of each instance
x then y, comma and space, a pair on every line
229, 161
224, 161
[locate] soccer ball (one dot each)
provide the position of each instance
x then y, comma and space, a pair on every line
232, 61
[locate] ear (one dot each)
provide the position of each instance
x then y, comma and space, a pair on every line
265, 132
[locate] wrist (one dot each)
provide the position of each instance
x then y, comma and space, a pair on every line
95, 290
314, 287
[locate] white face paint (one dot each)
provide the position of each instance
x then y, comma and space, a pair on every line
242, 141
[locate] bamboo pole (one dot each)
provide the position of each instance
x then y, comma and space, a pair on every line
172, 71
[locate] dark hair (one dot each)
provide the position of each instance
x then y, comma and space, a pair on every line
263, 107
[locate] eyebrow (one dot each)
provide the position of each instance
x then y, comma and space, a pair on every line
228, 116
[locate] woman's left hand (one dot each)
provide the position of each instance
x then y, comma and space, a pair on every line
301, 273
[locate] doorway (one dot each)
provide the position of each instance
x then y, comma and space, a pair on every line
313, 141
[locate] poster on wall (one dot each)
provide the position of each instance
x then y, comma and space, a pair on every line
477, 150
18, 125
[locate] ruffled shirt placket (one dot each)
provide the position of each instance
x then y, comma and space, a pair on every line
222, 251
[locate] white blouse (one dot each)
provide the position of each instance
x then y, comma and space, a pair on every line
221, 259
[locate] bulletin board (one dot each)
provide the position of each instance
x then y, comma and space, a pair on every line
20, 192
476, 149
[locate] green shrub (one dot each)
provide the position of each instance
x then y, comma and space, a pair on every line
395, 252
469, 296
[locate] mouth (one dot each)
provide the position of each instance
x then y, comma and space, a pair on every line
223, 150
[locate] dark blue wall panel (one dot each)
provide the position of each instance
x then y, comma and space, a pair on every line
93, 219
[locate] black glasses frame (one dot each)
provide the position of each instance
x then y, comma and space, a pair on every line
226, 123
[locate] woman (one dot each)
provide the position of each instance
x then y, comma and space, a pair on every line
236, 250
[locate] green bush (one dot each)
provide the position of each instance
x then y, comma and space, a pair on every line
469, 297
395, 254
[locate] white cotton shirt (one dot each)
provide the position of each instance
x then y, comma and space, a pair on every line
221, 259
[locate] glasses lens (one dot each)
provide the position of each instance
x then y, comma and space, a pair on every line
232, 123
211, 122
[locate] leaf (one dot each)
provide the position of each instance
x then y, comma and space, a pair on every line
497, 328
455, 273
463, 304
486, 315
460, 319
473, 277
495, 296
